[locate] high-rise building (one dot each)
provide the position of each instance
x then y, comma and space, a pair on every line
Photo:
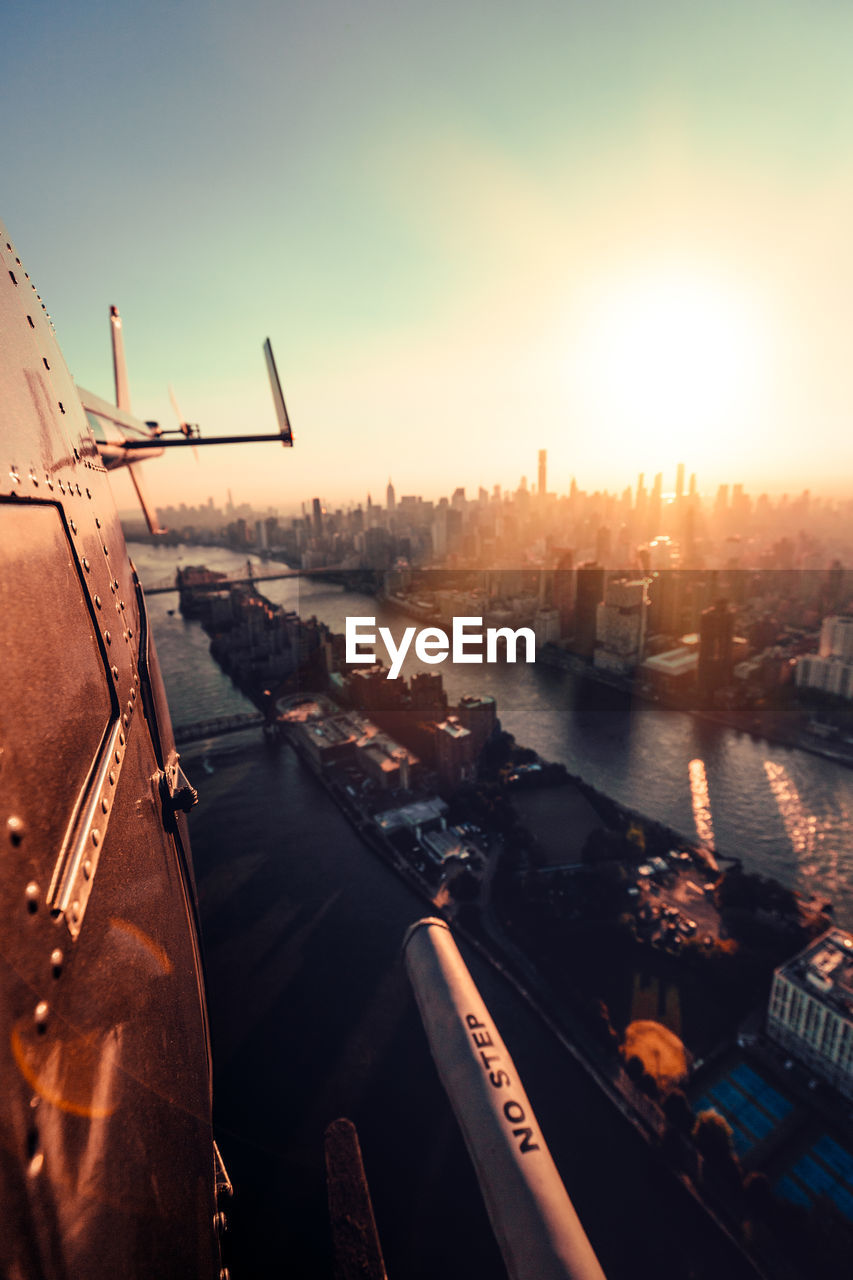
543, 473
589, 585
679, 482
621, 625
831, 668
716, 649
428, 699
563, 589
317, 517
477, 714
836, 638
390, 497
811, 1008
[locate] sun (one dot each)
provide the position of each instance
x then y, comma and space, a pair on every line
668, 361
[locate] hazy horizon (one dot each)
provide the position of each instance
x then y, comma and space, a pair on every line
618, 233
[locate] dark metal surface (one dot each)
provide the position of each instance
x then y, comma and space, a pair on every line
106, 1151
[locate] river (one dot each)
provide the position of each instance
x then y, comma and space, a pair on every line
311, 1015
786, 813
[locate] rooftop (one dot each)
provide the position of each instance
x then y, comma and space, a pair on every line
674, 662
411, 815
825, 970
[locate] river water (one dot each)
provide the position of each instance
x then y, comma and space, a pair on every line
785, 812
311, 1015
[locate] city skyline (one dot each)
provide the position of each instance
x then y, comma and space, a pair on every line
622, 234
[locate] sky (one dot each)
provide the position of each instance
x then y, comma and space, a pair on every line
617, 231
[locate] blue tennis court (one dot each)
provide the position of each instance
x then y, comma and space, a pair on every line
751, 1106
826, 1169
751, 1082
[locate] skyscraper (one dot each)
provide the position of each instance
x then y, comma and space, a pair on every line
543, 473
589, 593
390, 497
716, 648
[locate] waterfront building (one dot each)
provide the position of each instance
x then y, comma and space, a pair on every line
829, 675
671, 674
589, 585
546, 626
478, 714
831, 669
384, 760
563, 589
371, 691
836, 638
811, 1008
428, 699
454, 752
716, 649
621, 625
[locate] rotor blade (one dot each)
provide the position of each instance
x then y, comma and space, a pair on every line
119, 366
278, 397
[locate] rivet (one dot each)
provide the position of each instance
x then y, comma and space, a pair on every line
75, 911
115, 673
115, 583
105, 805
112, 778
121, 604
97, 522
97, 602
13, 475
56, 961
15, 827
85, 564
108, 637
121, 738
106, 550
49, 483
41, 1013
77, 487
118, 757
112, 587
34, 478
96, 840
124, 720
130, 631
32, 895
36, 1165
73, 526
88, 493
133, 695
87, 866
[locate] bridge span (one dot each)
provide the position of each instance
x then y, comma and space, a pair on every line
169, 586
216, 727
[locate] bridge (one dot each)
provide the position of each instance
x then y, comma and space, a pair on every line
215, 728
170, 585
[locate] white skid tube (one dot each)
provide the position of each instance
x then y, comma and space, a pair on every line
534, 1221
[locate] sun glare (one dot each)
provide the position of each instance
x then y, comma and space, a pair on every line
664, 358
